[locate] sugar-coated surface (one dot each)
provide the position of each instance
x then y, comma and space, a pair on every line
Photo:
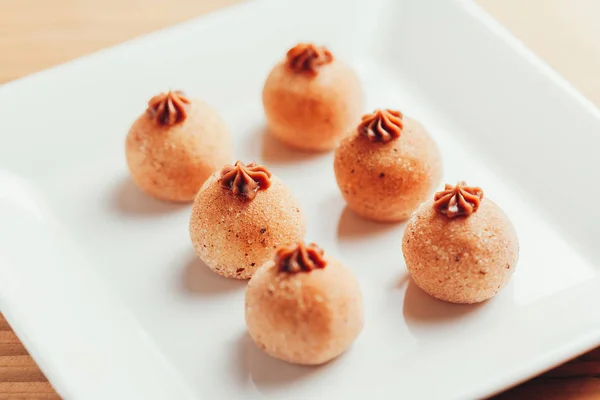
234, 236
194, 319
388, 181
463, 259
141, 247
305, 317
171, 162
313, 112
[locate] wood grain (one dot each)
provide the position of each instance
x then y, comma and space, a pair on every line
20, 378
36, 34
565, 33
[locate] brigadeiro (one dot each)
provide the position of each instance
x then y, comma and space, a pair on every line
460, 247
175, 145
303, 306
387, 166
312, 99
242, 214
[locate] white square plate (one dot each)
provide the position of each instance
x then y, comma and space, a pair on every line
102, 285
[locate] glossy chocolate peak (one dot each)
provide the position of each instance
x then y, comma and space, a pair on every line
299, 257
381, 125
306, 57
245, 180
458, 200
169, 108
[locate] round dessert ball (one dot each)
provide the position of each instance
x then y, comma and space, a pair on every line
311, 100
303, 307
240, 217
460, 247
387, 166
175, 145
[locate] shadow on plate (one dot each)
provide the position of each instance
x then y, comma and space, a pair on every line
267, 373
351, 225
419, 307
274, 151
129, 199
198, 279
403, 281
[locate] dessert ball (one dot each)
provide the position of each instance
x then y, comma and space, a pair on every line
175, 145
311, 99
240, 217
303, 307
387, 166
460, 247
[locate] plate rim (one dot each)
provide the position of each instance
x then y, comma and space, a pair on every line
63, 384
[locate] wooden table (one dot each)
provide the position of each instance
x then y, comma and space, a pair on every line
36, 34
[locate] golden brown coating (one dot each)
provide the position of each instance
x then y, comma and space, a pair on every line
234, 235
312, 111
465, 259
305, 317
172, 161
387, 180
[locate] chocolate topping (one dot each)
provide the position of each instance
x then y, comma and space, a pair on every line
458, 200
168, 108
299, 257
381, 125
245, 180
306, 57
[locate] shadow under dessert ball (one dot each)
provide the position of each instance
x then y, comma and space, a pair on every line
460, 247
387, 166
303, 307
175, 145
241, 216
311, 100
